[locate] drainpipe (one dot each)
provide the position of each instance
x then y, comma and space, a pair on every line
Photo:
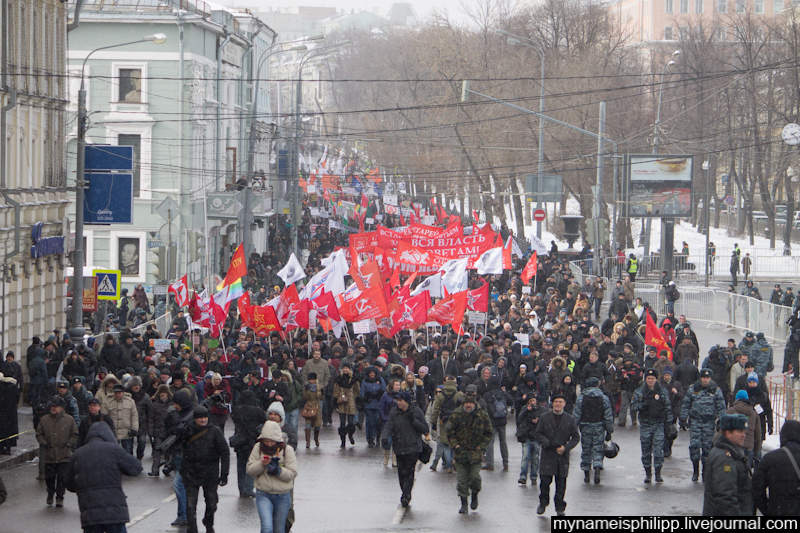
220, 46
77, 19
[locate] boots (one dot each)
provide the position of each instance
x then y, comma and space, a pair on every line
343, 436
308, 439
659, 479
463, 508
351, 429
648, 475
316, 437
695, 470
596, 476
474, 503
703, 475
586, 475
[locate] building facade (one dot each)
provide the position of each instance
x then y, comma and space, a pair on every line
33, 179
183, 106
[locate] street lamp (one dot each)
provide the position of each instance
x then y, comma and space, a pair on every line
516, 40
76, 331
706, 207
295, 208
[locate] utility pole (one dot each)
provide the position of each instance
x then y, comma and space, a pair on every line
601, 131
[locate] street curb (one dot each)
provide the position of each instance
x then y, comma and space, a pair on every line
19, 458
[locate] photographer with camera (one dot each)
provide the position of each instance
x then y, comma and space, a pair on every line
217, 400
273, 466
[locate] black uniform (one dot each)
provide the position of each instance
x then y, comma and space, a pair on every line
776, 474
727, 481
554, 431
206, 459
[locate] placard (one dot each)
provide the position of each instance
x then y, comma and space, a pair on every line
160, 290
390, 199
161, 345
523, 338
314, 211
476, 317
369, 220
526, 289
362, 326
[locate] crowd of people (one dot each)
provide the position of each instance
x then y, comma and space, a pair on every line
566, 368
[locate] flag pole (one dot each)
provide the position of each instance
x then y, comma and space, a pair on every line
222, 340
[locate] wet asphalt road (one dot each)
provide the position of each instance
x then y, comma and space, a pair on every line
350, 491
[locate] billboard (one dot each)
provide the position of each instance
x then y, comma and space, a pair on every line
659, 185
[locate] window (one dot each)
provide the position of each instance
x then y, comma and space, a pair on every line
684, 6
777, 6
698, 6
668, 33
130, 86
684, 32
135, 140
721, 34
758, 5
722, 6
668, 6
740, 6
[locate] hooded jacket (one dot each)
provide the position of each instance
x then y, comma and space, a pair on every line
776, 474
283, 481
95, 473
105, 390
124, 414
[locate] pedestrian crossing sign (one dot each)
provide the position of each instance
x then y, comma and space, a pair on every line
108, 284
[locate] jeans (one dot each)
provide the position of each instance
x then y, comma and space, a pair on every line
624, 404
373, 416
244, 481
445, 453
670, 306
500, 431
292, 418
180, 495
273, 510
54, 475
127, 445
530, 460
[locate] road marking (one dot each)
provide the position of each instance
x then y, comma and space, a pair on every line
169, 498
141, 517
398, 515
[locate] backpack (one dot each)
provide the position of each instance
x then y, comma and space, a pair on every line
448, 406
498, 406
592, 409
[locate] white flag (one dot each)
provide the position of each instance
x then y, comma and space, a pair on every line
292, 272
454, 275
490, 261
432, 284
331, 277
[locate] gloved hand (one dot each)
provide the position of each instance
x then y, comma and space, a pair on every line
769, 429
608, 436
132, 433
274, 467
223, 481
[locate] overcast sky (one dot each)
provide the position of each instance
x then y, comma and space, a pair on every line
423, 8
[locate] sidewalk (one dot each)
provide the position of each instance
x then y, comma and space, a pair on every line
27, 448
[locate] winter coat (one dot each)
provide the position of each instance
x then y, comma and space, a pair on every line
322, 369
527, 420
497, 408
686, 373
629, 377
371, 391
448, 400
554, 431
404, 428
761, 356
206, 456
558, 369
9, 419
776, 474
247, 419
209, 389
686, 351
283, 481
124, 414
82, 397
313, 398
720, 365
469, 434
37, 368
105, 390
345, 392
57, 436
727, 481
86, 425
386, 404
144, 408
95, 473
752, 440
703, 404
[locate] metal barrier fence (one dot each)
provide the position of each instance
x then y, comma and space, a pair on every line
161, 323
785, 399
692, 267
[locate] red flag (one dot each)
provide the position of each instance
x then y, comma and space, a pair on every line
195, 310
412, 312
371, 303
237, 268
181, 290
450, 310
478, 299
216, 317
288, 308
475, 216
530, 268
265, 321
410, 280
325, 306
507, 261
245, 309
653, 337
395, 279
369, 275
364, 202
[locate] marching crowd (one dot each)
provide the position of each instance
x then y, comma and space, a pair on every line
566, 370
